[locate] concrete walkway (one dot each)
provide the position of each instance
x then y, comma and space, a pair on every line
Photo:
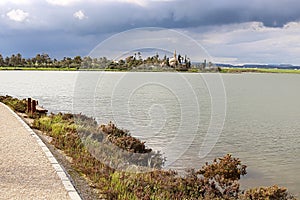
28, 170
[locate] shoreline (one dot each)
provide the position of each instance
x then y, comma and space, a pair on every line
194, 71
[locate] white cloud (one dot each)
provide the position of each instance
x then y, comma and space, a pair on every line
79, 15
137, 2
17, 15
62, 2
251, 43
16, 2
142, 3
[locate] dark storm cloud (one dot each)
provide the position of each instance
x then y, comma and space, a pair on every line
219, 12
70, 27
116, 16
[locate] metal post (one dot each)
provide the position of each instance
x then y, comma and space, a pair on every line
33, 106
29, 105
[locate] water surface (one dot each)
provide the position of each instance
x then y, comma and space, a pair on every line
261, 125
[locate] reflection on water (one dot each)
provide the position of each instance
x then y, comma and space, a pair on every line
261, 126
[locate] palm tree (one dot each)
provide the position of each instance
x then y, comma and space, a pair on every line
18, 60
6, 61
12, 60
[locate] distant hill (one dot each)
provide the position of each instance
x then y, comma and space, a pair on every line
262, 66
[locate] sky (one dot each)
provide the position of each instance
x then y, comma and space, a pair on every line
231, 31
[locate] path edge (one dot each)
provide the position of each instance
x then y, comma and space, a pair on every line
61, 173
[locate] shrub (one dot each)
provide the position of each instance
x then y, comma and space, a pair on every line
268, 193
14, 103
223, 175
57, 128
218, 180
123, 139
91, 148
43, 124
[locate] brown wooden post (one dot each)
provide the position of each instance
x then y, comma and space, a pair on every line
33, 106
29, 105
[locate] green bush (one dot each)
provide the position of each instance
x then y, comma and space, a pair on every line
14, 103
43, 124
57, 128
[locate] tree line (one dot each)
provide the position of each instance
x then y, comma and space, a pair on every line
40, 60
132, 62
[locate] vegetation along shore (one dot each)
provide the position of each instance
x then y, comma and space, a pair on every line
91, 152
135, 62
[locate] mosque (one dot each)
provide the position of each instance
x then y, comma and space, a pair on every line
179, 62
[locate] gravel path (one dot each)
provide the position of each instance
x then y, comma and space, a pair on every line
26, 169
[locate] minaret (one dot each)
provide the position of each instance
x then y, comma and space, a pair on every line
173, 61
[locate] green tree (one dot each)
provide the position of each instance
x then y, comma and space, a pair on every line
77, 60
121, 62
29, 62
179, 58
66, 62
86, 62
1, 60
140, 55
45, 59
18, 60
12, 60
38, 60
6, 61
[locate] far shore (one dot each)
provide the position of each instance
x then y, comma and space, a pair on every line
193, 70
